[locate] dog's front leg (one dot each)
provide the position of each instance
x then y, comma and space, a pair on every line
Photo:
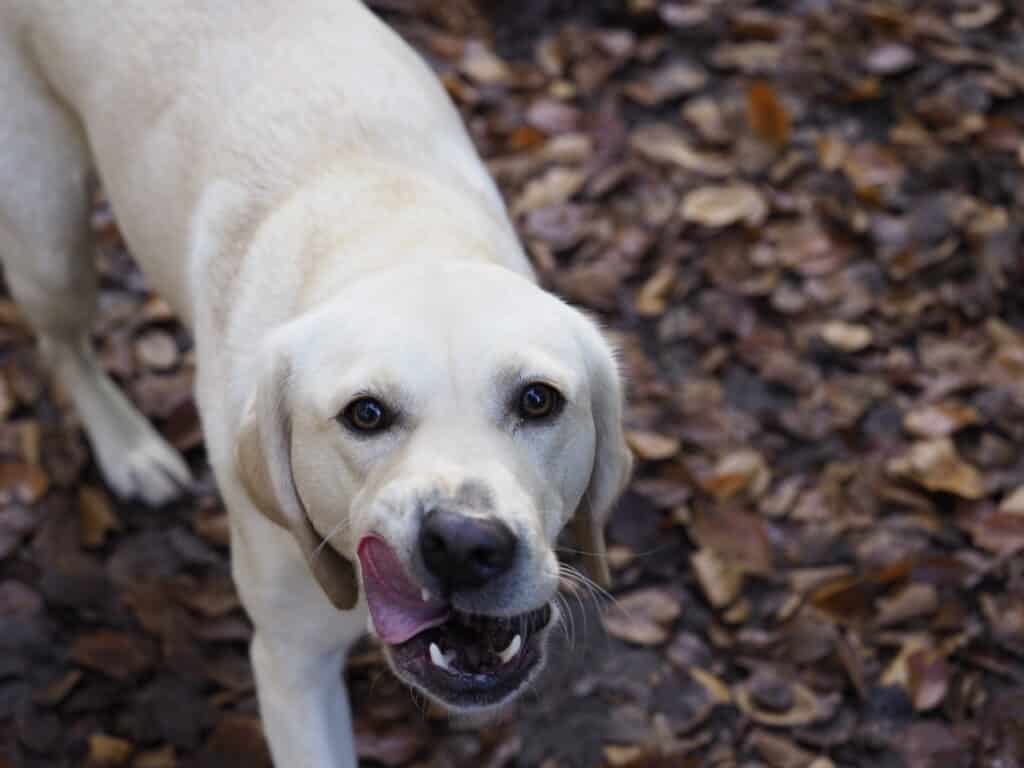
304, 705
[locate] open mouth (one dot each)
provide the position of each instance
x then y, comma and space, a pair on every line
466, 661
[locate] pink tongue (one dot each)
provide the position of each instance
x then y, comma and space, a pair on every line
396, 604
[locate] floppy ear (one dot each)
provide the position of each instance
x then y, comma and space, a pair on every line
613, 461
263, 462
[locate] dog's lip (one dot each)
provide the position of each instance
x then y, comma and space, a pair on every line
397, 605
473, 688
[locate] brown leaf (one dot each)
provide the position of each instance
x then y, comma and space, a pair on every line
107, 750
939, 419
911, 602
848, 337
720, 580
936, 465
661, 143
807, 707
668, 82
480, 64
118, 655
641, 617
1013, 503
735, 537
890, 59
718, 207
25, 483
767, 115
652, 446
735, 472
555, 186
164, 757
238, 739
652, 298
96, 517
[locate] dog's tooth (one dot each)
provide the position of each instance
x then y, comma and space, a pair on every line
425, 595
513, 649
439, 659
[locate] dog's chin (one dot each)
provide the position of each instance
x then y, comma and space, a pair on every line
475, 666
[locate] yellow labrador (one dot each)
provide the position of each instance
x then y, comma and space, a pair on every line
400, 421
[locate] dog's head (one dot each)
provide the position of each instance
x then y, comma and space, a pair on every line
438, 428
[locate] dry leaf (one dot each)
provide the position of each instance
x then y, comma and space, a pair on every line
653, 296
848, 337
936, 465
164, 757
642, 617
25, 483
1013, 504
736, 537
664, 144
555, 186
767, 115
807, 707
720, 580
481, 65
107, 750
652, 446
96, 517
939, 420
725, 205
738, 471
911, 602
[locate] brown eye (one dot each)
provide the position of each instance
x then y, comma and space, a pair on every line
367, 414
539, 401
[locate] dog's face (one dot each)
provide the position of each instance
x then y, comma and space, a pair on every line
439, 428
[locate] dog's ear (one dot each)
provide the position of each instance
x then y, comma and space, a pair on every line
613, 461
263, 462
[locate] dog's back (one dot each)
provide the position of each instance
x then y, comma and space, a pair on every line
170, 97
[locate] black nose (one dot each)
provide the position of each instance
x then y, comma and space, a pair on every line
465, 552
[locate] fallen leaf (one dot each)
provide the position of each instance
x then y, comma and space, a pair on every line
939, 419
642, 617
668, 82
807, 707
735, 537
890, 59
848, 337
652, 446
555, 186
767, 115
107, 750
118, 655
738, 471
936, 465
96, 516
720, 580
661, 143
482, 65
25, 483
1013, 503
164, 757
725, 205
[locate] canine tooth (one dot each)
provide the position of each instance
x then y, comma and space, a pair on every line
425, 595
439, 659
513, 648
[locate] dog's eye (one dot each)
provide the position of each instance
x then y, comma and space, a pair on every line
539, 401
366, 414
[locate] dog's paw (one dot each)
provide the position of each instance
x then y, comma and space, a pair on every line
144, 467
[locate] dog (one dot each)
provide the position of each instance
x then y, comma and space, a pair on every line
399, 419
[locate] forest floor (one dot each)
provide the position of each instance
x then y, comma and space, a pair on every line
801, 221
